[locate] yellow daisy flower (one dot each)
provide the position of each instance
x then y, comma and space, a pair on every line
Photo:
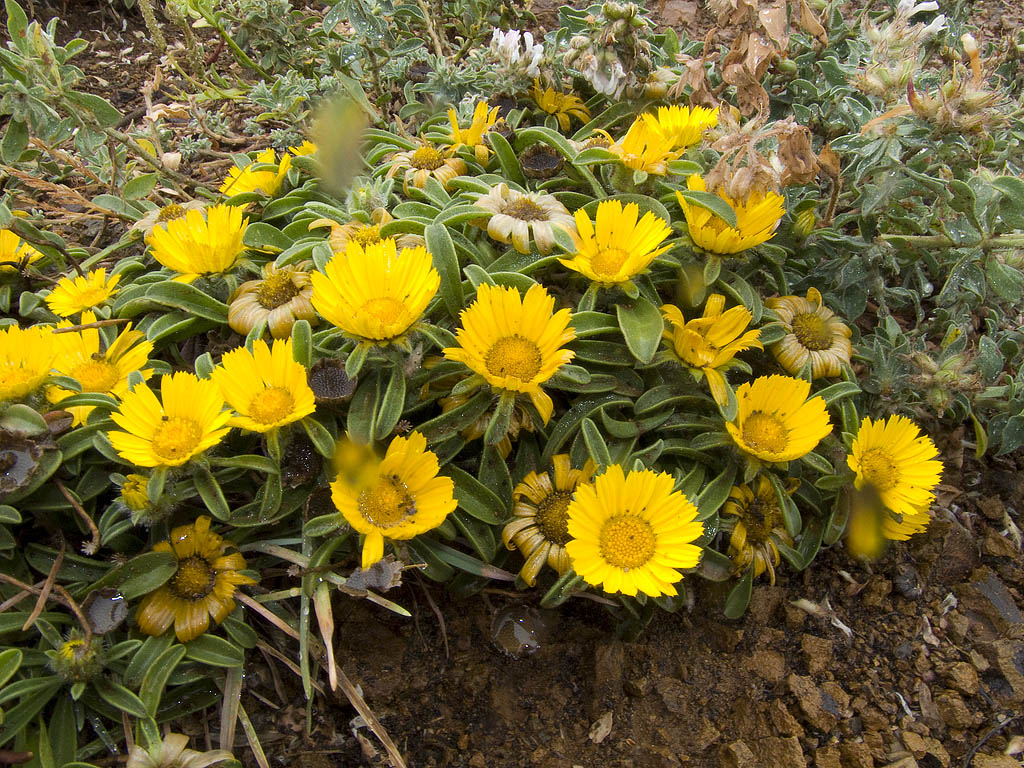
106, 372
629, 533
363, 233
134, 492
282, 296
202, 588
756, 221
815, 334
72, 295
189, 420
422, 163
15, 253
266, 387
473, 136
615, 247
307, 147
515, 342
515, 214
894, 459
775, 421
376, 294
644, 147
683, 126
26, 357
540, 528
200, 245
564, 106
249, 179
399, 497
158, 217
758, 527
709, 343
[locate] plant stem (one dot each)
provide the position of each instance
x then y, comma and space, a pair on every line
438, 49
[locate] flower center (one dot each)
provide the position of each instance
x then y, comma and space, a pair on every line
760, 518
176, 438
96, 376
812, 331
386, 309
426, 159
276, 290
765, 432
551, 517
367, 235
194, 579
74, 650
879, 469
513, 356
387, 503
170, 213
627, 541
608, 261
524, 209
271, 405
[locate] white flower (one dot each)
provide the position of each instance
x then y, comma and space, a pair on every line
606, 74
938, 24
505, 46
908, 8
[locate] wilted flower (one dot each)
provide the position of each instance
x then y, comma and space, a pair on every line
515, 214
364, 233
563, 106
281, 297
422, 163
473, 135
757, 527
171, 753
814, 335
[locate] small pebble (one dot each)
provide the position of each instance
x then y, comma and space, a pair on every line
907, 581
518, 630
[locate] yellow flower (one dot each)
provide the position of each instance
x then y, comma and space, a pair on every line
266, 387
644, 147
106, 372
422, 163
376, 294
307, 147
202, 588
775, 421
200, 245
514, 342
902, 466
158, 217
540, 528
397, 498
363, 233
615, 247
564, 106
15, 253
248, 179
709, 343
26, 357
814, 335
758, 528
756, 221
189, 420
629, 533
515, 213
683, 126
134, 492
72, 295
281, 297
473, 136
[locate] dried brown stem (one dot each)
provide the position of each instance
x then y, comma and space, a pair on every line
94, 544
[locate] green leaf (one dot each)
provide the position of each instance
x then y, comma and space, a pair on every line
446, 262
155, 485
571, 419
10, 661
715, 493
302, 343
322, 525
248, 461
552, 138
211, 493
140, 186
16, 718
92, 399
266, 237
596, 446
102, 110
642, 327
391, 405
497, 427
839, 391
9, 515
363, 410
479, 535
561, 590
594, 156
475, 498
354, 361
144, 658
319, 436
14, 141
739, 597
507, 159
140, 575
214, 651
461, 560
119, 697
190, 299
155, 679
711, 202
451, 422
21, 418
17, 21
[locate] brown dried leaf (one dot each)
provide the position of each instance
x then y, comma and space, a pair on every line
381, 576
800, 165
810, 24
775, 21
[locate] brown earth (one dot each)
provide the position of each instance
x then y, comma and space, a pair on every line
915, 661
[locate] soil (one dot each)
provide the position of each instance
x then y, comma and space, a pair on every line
917, 660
